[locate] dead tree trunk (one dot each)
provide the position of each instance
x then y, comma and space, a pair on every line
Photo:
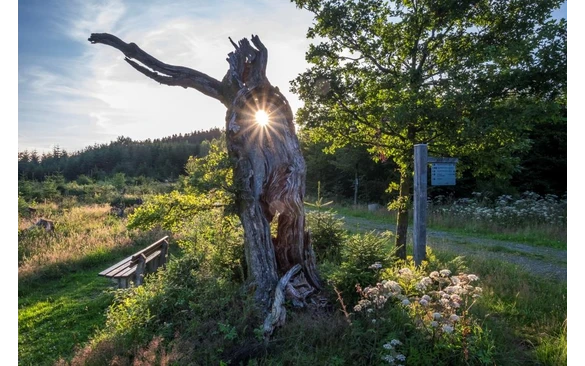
269, 169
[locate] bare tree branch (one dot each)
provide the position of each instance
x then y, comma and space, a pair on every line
163, 73
248, 64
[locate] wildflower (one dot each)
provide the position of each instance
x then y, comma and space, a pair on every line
427, 281
456, 298
445, 273
357, 308
465, 289
376, 265
388, 358
447, 329
395, 342
370, 310
400, 357
380, 301
436, 316
405, 272
388, 346
423, 302
405, 302
426, 297
393, 286
420, 286
434, 274
454, 318
371, 291
434, 324
472, 277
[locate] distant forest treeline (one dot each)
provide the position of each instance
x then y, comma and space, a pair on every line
541, 169
160, 159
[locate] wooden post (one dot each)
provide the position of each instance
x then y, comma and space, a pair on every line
140, 268
355, 189
163, 254
420, 203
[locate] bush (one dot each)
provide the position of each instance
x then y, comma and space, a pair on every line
184, 303
23, 210
362, 257
327, 234
84, 180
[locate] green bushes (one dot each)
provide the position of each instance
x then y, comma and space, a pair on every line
200, 309
362, 256
327, 234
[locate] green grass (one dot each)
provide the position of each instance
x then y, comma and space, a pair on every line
526, 314
55, 316
534, 235
59, 312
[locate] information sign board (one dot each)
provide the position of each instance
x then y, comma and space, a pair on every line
443, 174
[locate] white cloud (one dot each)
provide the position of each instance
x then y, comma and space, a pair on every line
106, 97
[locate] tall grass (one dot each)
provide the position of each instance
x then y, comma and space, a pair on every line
198, 312
61, 300
539, 220
529, 218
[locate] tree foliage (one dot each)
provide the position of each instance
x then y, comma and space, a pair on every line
160, 159
467, 77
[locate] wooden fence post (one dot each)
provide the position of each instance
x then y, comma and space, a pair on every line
420, 203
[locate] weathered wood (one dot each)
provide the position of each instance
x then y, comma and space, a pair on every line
420, 203
48, 225
171, 75
134, 267
269, 169
140, 267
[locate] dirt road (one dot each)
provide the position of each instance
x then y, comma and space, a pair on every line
542, 261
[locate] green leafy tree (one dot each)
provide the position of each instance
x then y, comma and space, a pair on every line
467, 77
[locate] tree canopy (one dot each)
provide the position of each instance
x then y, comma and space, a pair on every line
470, 78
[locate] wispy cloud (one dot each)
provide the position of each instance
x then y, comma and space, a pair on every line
80, 18
104, 97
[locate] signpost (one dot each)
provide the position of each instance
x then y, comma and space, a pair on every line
442, 174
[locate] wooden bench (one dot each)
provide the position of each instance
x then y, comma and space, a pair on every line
133, 268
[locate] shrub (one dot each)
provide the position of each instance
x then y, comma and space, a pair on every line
362, 257
327, 234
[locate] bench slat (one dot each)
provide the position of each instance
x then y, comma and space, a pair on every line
150, 247
127, 269
130, 270
125, 262
118, 270
122, 263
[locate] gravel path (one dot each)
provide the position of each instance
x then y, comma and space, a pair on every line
542, 261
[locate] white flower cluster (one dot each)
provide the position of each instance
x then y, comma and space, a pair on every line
376, 296
531, 207
394, 357
439, 300
444, 296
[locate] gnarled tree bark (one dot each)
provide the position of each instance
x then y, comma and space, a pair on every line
269, 169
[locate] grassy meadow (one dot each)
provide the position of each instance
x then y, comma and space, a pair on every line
452, 311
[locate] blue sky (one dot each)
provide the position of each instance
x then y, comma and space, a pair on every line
74, 94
